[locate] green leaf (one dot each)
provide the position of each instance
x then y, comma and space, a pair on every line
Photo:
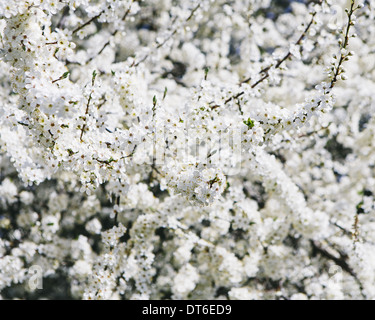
206, 70
94, 74
250, 123
111, 160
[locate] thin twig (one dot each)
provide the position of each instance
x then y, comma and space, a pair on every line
286, 57
341, 262
87, 22
62, 18
136, 64
88, 105
109, 41
343, 56
86, 113
265, 71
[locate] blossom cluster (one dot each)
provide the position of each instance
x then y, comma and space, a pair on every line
196, 149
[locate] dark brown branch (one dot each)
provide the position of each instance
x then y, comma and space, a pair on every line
112, 35
286, 57
62, 18
341, 261
94, 74
343, 56
87, 22
86, 113
277, 65
136, 64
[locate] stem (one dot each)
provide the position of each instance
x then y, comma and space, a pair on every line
112, 35
86, 113
344, 46
136, 64
287, 56
87, 22
277, 65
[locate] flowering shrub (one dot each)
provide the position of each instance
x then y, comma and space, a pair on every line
196, 149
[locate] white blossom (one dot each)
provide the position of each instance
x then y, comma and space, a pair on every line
194, 149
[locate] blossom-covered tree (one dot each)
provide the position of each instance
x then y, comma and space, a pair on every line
187, 149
